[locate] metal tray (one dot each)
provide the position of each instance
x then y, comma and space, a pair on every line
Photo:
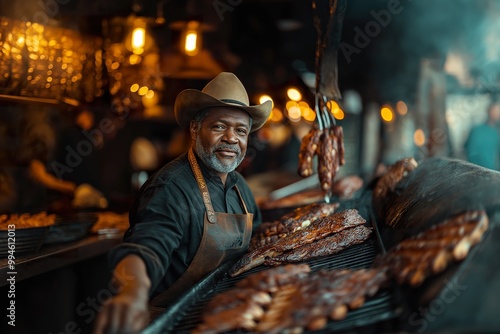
70, 228
27, 240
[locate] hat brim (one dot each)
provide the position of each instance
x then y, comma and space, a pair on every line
190, 101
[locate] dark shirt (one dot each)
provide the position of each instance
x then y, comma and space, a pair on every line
166, 222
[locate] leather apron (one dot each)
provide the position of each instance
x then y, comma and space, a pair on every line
225, 237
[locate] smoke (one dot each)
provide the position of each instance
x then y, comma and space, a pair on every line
434, 29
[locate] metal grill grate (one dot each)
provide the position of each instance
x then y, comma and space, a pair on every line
376, 309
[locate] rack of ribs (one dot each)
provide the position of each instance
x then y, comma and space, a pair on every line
290, 299
318, 229
327, 246
244, 305
325, 294
272, 279
431, 251
300, 218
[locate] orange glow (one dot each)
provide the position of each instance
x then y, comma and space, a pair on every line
143, 90
293, 94
291, 104
294, 114
276, 115
264, 98
419, 137
402, 108
332, 105
386, 114
338, 114
134, 88
192, 38
138, 40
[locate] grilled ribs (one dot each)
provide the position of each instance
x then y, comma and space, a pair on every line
319, 229
387, 183
271, 279
243, 305
327, 246
328, 144
325, 294
327, 160
233, 298
299, 299
431, 251
308, 148
347, 186
297, 219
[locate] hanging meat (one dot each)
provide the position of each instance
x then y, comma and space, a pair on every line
325, 139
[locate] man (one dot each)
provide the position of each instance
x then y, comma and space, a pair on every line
193, 214
483, 143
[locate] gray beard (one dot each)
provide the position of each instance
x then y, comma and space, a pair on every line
211, 160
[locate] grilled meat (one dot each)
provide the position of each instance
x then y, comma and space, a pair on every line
326, 294
327, 246
339, 136
233, 298
297, 219
271, 279
430, 252
347, 186
327, 160
319, 229
328, 144
299, 299
307, 151
243, 316
386, 185
244, 305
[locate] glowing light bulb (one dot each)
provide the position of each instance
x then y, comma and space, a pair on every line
386, 114
138, 40
294, 94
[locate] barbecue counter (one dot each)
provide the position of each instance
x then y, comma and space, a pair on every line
56, 279
463, 298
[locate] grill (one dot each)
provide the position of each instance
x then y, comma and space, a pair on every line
185, 315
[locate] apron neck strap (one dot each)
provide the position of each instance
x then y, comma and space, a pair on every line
241, 199
203, 187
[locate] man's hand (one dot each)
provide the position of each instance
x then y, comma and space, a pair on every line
126, 312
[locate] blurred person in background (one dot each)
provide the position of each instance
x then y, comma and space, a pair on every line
77, 157
482, 146
35, 187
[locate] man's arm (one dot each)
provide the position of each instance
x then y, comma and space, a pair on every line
127, 311
40, 174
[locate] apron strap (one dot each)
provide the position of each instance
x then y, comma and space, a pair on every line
203, 187
241, 199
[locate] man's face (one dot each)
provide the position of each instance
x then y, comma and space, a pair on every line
221, 140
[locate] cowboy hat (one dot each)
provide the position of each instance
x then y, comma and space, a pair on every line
225, 90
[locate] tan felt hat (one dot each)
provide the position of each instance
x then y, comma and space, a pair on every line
225, 90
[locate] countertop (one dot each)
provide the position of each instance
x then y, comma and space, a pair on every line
55, 256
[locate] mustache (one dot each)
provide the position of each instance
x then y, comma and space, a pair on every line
234, 148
